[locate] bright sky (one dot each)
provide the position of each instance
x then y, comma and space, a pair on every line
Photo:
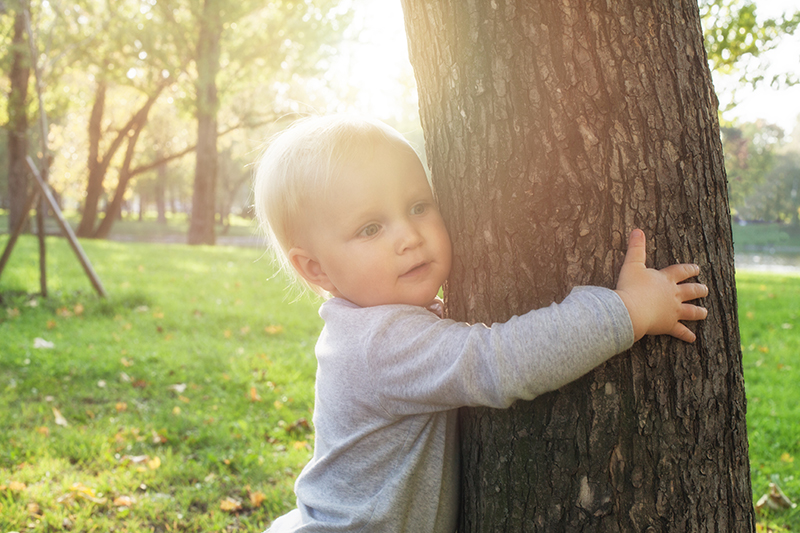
380, 67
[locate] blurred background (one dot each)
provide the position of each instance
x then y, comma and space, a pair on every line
125, 84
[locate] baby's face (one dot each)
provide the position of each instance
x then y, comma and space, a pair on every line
378, 236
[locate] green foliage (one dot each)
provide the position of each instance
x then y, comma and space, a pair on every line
733, 34
763, 173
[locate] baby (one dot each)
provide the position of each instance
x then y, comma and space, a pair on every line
348, 206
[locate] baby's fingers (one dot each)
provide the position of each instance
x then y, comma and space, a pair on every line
692, 291
692, 312
681, 272
683, 333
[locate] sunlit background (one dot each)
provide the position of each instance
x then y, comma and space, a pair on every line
366, 69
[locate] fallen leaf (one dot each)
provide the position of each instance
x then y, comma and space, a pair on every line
33, 508
158, 438
40, 343
178, 387
273, 329
301, 445
82, 491
12, 312
126, 362
51, 324
256, 498
101, 384
787, 458
158, 314
123, 501
230, 505
227, 333
44, 430
253, 395
60, 420
176, 410
135, 459
121, 407
17, 486
78, 309
64, 312
775, 499
154, 463
184, 399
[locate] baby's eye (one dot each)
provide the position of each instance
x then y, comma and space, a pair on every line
370, 230
418, 209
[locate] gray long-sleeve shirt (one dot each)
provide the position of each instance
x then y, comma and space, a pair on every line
389, 379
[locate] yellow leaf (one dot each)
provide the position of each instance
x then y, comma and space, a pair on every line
17, 486
184, 399
154, 463
300, 445
256, 498
273, 329
253, 395
121, 406
227, 333
158, 314
126, 362
60, 420
787, 458
123, 501
78, 309
44, 430
277, 404
763, 349
176, 410
230, 505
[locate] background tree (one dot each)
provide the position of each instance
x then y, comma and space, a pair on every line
17, 128
553, 128
241, 42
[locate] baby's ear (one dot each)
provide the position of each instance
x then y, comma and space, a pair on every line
309, 268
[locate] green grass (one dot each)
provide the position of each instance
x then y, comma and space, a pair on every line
769, 321
207, 318
216, 320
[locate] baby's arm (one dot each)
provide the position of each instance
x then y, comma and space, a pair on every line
655, 298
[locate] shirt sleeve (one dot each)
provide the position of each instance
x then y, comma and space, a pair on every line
419, 363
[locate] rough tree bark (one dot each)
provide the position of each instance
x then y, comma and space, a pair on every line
201, 226
18, 121
553, 128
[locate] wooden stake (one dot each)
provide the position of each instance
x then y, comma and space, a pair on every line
66, 229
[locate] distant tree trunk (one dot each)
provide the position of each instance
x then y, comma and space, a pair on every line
201, 227
554, 128
161, 188
18, 121
96, 163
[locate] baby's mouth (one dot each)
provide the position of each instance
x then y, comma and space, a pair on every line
416, 269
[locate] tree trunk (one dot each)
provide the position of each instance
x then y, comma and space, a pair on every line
553, 128
18, 122
96, 163
201, 226
161, 191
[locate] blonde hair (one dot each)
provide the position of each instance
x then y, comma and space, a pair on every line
300, 163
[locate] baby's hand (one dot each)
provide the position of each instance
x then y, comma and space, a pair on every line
655, 298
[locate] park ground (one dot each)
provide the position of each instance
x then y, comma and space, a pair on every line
182, 402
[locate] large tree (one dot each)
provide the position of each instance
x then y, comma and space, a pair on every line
552, 129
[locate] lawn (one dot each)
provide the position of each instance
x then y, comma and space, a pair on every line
184, 396
182, 402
